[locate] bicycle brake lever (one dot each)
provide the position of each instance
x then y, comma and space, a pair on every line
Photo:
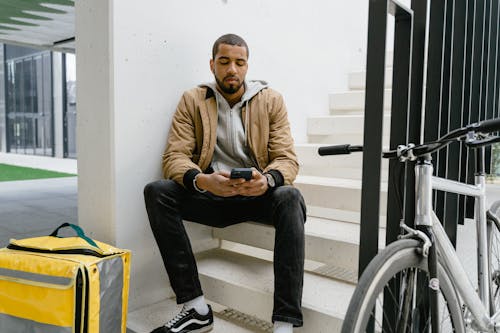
405, 153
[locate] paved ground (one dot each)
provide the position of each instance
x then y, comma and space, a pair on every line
32, 208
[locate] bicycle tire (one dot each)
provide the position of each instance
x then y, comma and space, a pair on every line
400, 259
493, 232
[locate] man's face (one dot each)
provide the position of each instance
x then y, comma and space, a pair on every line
230, 68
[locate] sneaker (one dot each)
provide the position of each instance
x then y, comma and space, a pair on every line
188, 321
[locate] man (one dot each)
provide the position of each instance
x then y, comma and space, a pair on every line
230, 123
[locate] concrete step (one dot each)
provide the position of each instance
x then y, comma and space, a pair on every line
354, 101
341, 129
357, 80
146, 319
338, 166
327, 125
338, 214
389, 57
335, 194
330, 242
246, 284
343, 138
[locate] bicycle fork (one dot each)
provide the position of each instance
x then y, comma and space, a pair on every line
423, 219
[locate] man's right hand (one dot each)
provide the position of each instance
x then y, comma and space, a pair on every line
219, 183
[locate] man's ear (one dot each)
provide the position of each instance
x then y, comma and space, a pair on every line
212, 66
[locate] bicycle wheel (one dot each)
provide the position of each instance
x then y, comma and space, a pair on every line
398, 278
494, 258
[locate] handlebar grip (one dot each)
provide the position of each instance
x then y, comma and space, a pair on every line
487, 126
338, 150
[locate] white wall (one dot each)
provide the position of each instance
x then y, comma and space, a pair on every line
3, 129
303, 49
134, 60
96, 168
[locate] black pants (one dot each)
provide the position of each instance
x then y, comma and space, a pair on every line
168, 203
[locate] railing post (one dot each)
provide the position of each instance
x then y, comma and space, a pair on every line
374, 112
372, 141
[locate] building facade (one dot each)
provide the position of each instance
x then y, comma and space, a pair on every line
37, 102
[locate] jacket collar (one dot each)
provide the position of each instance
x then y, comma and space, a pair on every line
209, 94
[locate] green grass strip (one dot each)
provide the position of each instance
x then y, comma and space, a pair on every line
12, 172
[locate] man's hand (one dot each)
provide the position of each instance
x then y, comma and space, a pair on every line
220, 183
255, 186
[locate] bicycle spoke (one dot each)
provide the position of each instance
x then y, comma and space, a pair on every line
406, 298
379, 308
396, 299
410, 321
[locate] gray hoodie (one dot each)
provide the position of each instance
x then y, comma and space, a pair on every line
231, 150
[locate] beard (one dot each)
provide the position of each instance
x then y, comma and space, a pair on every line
228, 88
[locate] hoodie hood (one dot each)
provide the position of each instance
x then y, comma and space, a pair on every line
252, 88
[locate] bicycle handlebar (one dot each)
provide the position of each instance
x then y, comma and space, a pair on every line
486, 126
338, 150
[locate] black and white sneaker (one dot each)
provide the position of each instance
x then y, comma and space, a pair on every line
188, 321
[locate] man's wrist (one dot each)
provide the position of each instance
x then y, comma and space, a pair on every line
196, 185
279, 180
188, 179
271, 182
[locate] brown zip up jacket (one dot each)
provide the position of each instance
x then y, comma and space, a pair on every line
193, 136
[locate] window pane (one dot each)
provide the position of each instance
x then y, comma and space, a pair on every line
29, 102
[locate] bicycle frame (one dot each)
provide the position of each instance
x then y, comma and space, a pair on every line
477, 303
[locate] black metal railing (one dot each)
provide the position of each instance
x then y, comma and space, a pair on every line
445, 76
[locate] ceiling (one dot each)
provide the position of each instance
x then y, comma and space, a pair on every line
47, 24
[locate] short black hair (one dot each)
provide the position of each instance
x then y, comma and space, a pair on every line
230, 39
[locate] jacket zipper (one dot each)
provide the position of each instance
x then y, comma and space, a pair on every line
247, 127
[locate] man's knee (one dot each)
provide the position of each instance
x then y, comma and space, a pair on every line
288, 193
154, 189
289, 198
151, 190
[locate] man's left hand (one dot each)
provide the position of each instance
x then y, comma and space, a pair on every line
254, 187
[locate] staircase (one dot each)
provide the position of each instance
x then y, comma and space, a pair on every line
235, 263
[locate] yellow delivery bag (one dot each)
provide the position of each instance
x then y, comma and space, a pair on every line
63, 285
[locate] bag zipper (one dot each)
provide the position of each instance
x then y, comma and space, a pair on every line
71, 251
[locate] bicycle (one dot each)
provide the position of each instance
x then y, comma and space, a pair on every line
417, 283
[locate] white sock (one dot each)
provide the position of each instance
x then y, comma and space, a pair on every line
282, 327
199, 304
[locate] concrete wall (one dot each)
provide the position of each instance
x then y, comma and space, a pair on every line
135, 58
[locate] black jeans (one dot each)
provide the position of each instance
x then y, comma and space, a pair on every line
168, 203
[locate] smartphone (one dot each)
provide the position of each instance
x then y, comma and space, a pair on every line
241, 173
